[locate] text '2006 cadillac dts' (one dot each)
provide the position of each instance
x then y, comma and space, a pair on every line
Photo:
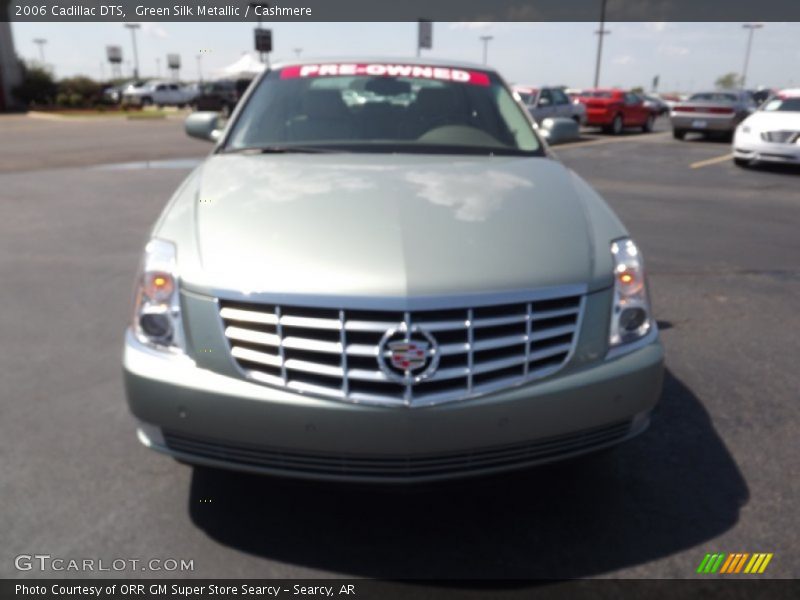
381, 273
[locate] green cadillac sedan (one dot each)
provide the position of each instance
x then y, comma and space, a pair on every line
382, 274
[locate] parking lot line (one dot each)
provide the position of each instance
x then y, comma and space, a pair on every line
627, 138
710, 161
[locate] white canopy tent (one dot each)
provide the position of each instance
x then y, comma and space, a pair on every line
247, 65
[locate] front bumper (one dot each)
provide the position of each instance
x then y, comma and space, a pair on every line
205, 417
751, 147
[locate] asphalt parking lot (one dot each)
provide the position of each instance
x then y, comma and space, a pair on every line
716, 472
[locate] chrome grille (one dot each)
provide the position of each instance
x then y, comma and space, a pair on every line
781, 137
333, 352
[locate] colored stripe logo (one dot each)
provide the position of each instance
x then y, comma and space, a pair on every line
734, 563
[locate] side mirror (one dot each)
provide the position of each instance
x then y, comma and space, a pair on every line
203, 126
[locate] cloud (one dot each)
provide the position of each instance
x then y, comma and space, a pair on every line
671, 50
656, 26
154, 30
471, 25
625, 59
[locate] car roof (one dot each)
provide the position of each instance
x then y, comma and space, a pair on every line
790, 93
390, 60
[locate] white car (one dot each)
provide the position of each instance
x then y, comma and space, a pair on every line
772, 133
160, 93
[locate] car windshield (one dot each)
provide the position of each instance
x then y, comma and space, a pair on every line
783, 104
378, 107
713, 97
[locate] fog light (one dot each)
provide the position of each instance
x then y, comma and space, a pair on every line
156, 326
630, 319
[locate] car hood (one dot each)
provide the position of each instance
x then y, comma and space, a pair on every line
774, 120
387, 225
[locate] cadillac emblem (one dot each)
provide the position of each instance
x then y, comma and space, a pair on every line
408, 355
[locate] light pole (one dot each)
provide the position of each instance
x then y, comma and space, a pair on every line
200, 68
40, 42
486, 39
600, 34
133, 27
297, 52
752, 27
158, 68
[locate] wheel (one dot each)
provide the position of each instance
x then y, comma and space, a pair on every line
741, 162
616, 125
679, 134
147, 101
648, 124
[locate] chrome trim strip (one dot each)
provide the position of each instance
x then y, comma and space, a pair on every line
254, 337
279, 327
470, 347
343, 350
250, 316
398, 304
256, 356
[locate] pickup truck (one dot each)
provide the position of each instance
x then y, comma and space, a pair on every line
159, 93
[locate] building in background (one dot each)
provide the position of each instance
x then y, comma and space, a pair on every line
10, 72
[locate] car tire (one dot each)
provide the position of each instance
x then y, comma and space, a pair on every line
648, 124
741, 162
616, 125
679, 134
146, 101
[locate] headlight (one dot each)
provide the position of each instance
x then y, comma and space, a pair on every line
156, 305
631, 319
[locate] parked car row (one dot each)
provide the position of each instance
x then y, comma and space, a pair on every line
715, 112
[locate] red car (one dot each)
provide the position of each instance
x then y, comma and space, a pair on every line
614, 110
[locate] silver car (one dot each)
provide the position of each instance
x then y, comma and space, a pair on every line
712, 113
550, 102
406, 289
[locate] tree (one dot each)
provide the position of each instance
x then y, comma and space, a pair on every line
79, 91
728, 81
37, 86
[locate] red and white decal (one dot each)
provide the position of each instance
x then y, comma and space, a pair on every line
386, 70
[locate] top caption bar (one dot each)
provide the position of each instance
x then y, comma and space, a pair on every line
390, 10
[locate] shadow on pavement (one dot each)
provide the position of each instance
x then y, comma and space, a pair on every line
672, 488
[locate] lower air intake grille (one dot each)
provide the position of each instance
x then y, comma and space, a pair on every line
274, 459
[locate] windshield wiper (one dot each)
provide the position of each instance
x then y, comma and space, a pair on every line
276, 150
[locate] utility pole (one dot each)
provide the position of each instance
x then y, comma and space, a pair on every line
158, 68
600, 33
200, 68
40, 42
133, 27
752, 27
486, 39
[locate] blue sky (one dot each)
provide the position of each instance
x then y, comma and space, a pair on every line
686, 56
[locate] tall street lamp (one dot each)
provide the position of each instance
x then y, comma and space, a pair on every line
200, 68
133, 27
40, 42
751, 27
486, 39
600, 34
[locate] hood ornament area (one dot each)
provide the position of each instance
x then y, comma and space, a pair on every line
408, 355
